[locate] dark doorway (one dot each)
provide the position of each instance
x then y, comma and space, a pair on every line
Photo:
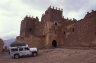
54, 43
30, 29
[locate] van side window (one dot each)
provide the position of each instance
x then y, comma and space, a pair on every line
26, 48
20, 49
15, 49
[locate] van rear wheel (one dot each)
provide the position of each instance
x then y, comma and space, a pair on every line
16, 56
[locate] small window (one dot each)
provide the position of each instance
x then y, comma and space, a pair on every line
26, 48
95, 33
73, 29
64, 32
30, 29
56, 24
22, 37
20, 49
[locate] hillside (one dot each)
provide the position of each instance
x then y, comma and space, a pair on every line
9, 41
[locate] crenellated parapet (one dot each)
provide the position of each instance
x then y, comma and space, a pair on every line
30, 18
52, 14
90, 14
55, 8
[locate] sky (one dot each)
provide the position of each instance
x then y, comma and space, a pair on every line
12, 12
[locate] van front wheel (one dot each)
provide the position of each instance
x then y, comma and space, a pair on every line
34, 54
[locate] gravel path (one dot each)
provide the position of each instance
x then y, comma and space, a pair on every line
57, 55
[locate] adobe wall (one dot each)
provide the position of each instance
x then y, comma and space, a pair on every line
86, 30
54, 27
33, 41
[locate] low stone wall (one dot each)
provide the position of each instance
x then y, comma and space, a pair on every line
1, 45
33, 41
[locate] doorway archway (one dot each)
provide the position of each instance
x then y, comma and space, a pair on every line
54, 43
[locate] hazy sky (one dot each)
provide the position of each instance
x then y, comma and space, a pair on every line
13, 11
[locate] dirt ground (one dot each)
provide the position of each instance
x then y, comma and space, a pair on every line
57, 55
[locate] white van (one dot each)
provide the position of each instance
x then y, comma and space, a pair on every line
20, 51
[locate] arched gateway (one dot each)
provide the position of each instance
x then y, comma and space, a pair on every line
54, 43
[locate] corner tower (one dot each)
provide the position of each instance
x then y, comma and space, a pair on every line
52, 14
28, 26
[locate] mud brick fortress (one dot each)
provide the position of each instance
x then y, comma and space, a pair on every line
55, 31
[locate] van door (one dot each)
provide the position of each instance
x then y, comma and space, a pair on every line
21, 51
27, 51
